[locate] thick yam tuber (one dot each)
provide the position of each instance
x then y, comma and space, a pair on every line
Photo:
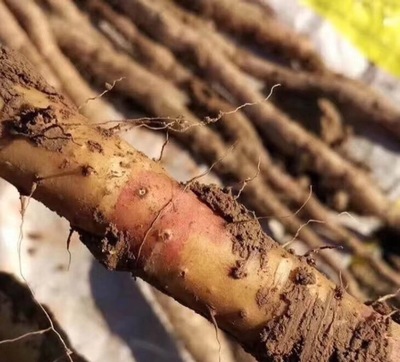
194, 242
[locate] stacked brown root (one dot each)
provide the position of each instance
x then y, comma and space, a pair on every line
179, 63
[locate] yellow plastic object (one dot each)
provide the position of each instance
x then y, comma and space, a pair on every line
372, 25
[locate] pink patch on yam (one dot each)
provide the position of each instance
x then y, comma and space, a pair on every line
182, 216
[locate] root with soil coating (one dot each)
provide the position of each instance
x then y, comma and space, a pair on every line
202, 141
264, 309
236, 127
232, 125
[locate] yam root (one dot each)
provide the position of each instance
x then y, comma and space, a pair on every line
185, 240
233, 126
201, 140
243, 18
277, 128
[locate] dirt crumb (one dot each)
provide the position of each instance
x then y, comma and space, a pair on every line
262, 297
312, 330
39, 125
106, 132
368, 342
87, 170
304, 276
15, 68
248, 239
339, 292
94, 146
239, 270
112, 249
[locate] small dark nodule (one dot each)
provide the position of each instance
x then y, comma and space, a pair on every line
304, 277
87, 170
142, 192
165, 235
